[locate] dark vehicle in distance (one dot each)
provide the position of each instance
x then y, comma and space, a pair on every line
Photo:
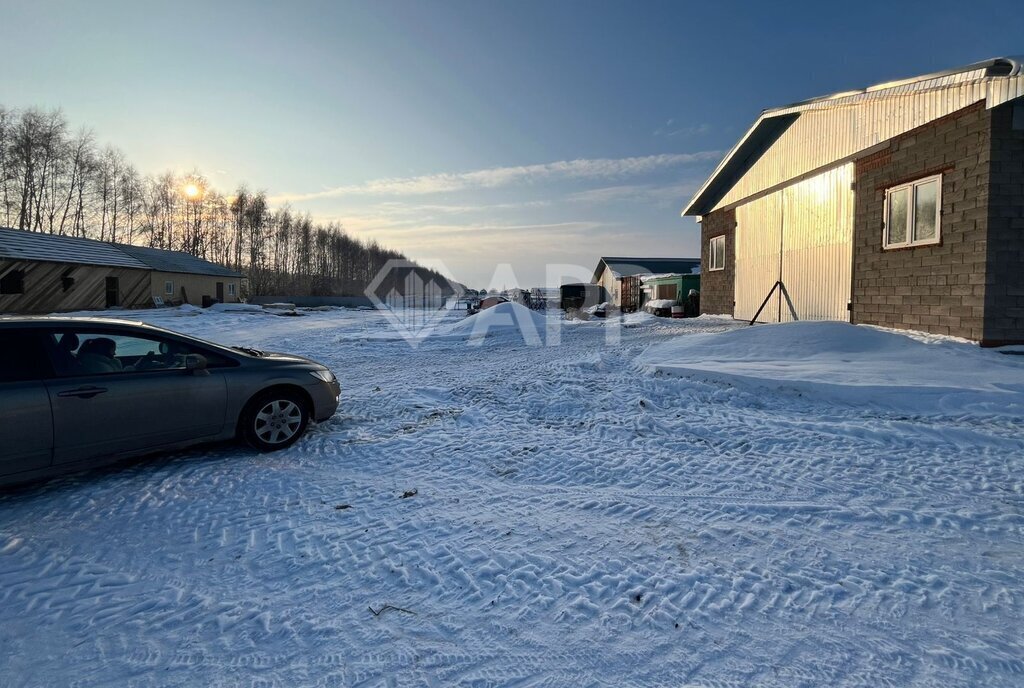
580, 296
80, 392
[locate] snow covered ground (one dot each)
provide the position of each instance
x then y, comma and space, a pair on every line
677, 509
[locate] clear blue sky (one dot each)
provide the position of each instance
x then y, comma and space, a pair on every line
471, 132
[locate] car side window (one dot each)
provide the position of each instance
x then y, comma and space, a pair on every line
21, 357
77, 352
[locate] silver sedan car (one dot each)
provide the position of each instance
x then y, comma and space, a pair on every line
79, 392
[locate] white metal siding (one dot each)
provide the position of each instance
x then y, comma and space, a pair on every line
817, 243
803, 233
611, 286
758, 239
833, 130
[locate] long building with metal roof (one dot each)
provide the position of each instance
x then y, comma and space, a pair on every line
43, 273
899, 205
176, 261
17, 244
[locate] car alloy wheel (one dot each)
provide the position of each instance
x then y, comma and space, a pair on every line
278, 421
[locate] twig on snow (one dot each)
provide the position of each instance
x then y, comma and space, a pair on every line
378, 612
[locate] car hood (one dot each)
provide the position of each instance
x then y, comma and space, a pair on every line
279, 357
275, 357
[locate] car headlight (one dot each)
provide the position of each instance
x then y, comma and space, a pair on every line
323, 375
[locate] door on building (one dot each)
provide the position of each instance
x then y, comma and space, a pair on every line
113, 292
220, 292
801, 236
629, 300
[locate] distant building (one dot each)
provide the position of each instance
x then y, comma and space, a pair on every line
900, 205
45, 273
610, 272
520, 296
579, 296
491, 301
672, 287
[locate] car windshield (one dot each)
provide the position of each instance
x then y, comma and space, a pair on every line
257, 353
198, 340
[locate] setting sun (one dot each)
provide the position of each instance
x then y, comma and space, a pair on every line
192, 191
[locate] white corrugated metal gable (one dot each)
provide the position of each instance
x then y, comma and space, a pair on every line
791, 142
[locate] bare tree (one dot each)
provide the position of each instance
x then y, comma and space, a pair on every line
131, 191
61, 184
7, 167
108, 177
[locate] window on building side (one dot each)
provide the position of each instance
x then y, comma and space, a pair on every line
169, 287
231, 288
717, 251
13, 282
912, 213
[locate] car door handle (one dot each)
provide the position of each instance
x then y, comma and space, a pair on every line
83, 392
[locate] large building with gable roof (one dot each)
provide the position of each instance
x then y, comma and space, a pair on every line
46, 273
899, 205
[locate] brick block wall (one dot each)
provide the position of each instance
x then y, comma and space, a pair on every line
717, 289
1004, 288
939, 288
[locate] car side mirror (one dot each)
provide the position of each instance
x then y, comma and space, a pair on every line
196, 364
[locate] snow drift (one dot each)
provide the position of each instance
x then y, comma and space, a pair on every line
236, 308
503, 318
652, 531
853, 364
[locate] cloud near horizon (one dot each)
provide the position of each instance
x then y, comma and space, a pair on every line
496, 177
474, 253
566, 212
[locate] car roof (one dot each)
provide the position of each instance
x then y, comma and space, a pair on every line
65, 320
12, 321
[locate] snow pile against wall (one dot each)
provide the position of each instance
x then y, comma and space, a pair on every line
237, 307
853, 364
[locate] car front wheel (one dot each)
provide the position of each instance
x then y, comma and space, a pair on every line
274, 420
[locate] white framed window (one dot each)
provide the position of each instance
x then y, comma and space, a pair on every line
231, 288
169, 288
912, 213
717, 253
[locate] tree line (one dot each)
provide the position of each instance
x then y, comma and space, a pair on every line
59, 181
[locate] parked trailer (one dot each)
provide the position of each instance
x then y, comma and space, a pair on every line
579, 296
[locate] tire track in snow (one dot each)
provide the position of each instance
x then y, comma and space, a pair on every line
563, 532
